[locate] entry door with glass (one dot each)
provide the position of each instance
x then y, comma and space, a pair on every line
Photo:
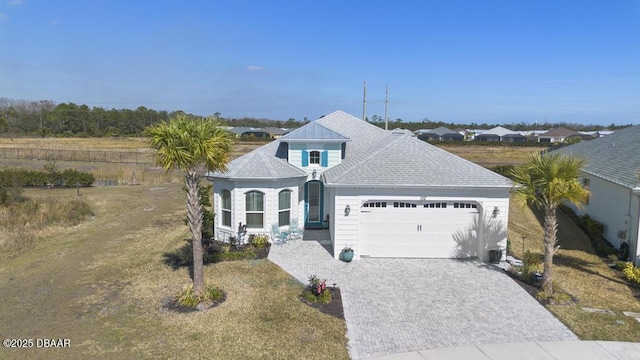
313, 204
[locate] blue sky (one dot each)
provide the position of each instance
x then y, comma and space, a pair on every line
456, 61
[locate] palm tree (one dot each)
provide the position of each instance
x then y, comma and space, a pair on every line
548, 181
191, 145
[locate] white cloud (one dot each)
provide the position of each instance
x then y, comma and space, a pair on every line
56, 22
3, 17
15, 2
255, 68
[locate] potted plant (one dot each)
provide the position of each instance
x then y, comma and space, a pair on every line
317, 287
346, 254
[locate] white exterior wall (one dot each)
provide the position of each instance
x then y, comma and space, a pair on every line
270, 189
345, 232
618, 209
610, 204
634, 233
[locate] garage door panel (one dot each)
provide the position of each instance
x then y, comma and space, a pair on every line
417, 232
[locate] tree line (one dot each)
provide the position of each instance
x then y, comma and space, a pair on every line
46, 118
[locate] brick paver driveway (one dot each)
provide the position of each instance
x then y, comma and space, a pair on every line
401, 305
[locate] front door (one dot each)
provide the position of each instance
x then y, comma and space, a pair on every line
313, 206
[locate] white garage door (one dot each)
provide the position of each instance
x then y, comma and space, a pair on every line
394, 228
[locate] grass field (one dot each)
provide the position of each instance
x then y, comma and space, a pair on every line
102, 284
490, 156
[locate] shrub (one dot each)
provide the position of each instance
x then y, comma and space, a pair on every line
631, 272
531, 264
189, 299
68, 177
259, 241
73, 177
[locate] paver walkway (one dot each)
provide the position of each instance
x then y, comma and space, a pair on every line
401, 305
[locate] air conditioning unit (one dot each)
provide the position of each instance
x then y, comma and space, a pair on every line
622, 234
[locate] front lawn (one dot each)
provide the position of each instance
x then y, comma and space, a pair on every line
105, 283
582, 274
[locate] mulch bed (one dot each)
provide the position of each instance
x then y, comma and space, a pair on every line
334, 308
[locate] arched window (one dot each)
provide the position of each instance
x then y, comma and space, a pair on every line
255, 210
284, 208
226, 208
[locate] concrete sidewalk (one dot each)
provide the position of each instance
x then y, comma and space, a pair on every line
551, 350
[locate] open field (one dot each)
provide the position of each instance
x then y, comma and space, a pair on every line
108, 155
490, 156
112, 149
103, 283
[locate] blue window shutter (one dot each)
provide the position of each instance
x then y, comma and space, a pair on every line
305, 158
324, 158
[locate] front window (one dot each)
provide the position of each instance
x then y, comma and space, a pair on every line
314, 157
226, 208
284, 208
255, 210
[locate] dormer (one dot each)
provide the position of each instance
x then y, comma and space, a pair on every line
314, 147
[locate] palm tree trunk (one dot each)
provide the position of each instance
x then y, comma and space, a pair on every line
550, 248
194, 217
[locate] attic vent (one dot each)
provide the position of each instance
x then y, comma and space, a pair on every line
397, 132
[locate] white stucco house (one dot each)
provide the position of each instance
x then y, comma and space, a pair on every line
612, 174
382, 193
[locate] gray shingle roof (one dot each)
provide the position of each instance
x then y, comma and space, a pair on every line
559, 131
261, 163
314, 131
379, 157
441, 131
614, 157
373, 157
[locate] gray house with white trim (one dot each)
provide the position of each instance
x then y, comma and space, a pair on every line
382, 193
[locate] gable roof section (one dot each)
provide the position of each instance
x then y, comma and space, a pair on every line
614, 157
441, 131
500, 131
314, 132
558, 132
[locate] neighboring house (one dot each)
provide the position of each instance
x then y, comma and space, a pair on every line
382, 193
500, 133
556, 135
275, 133
441, 133
612, 174
241, 131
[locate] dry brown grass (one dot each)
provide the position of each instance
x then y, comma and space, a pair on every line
581, 273
103, 284
94, 144
492, 155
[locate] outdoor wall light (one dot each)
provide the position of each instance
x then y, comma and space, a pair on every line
314, 174
496, 211
347, 210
